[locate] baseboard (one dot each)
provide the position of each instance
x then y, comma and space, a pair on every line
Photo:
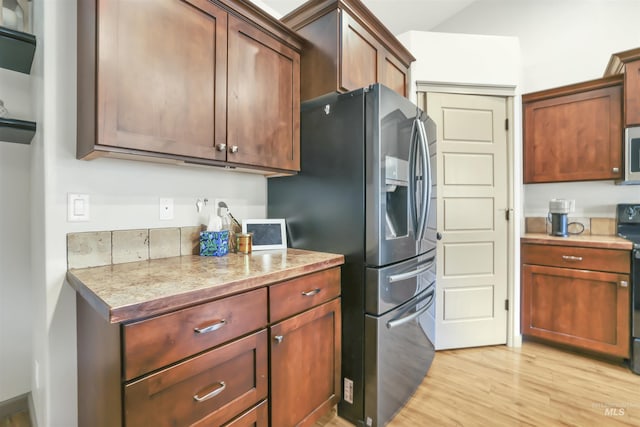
32, 411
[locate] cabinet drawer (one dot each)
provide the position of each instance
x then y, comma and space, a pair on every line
294, 296
257, 416
208, 389
613, 260
153, 343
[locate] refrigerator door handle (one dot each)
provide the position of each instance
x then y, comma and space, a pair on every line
409, 274
413, 148
406, 319
426, 178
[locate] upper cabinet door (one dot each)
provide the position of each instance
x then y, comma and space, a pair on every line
365, 61
393, 74
263, 107
348, 48
573, 133
162, 76
360, 56
632, 93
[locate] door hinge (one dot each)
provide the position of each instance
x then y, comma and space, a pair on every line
507, 214
506, 304
506, 124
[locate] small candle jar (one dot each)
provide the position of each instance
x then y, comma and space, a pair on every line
244, 242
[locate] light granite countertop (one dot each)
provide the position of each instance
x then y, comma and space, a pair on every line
588, 240
125, 292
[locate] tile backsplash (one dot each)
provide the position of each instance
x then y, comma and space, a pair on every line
592, 226
97, 248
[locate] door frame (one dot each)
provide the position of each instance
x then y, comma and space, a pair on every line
514, 337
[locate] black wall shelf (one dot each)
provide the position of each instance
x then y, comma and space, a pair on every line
16, 50
16, 53
20, 131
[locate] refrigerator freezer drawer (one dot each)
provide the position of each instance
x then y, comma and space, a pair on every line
398, 355
391, 286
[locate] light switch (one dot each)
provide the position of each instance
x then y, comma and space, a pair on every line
77, 207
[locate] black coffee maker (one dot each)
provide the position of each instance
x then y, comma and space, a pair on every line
559, 216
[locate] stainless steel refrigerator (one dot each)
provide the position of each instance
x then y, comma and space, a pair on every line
366, 190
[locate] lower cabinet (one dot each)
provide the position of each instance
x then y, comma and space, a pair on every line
305, 366
211, 364
208, 389
577, 296
257, 416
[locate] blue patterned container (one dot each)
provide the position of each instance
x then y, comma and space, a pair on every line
214, 243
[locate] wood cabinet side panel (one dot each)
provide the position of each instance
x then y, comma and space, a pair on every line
99, 368
632, 93
86, 69
574, 137
319, 59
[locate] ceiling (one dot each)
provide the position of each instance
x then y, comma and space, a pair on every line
397, 15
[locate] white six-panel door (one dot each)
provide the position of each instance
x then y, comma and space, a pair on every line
472, 189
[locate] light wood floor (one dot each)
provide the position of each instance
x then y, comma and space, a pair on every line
535, 385
20, 419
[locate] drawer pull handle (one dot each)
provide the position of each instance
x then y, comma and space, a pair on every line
210, 328
311, 293
219, 389
571, 258
278, 338
624, 284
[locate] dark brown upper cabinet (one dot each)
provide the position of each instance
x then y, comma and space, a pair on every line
628, 63
348, 48
187, 81
573, 133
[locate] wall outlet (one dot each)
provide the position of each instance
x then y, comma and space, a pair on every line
166, 208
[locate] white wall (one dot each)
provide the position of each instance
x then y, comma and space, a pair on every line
123, 195
463, 59
15, 280
562, 42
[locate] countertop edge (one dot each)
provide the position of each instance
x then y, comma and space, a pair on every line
182, 300
603, 242
88, 295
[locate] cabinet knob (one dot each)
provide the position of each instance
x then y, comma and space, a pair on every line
615, 170
624, 284
234, 149
278, 338
221, 147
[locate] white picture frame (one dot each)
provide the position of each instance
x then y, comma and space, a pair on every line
267, 233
